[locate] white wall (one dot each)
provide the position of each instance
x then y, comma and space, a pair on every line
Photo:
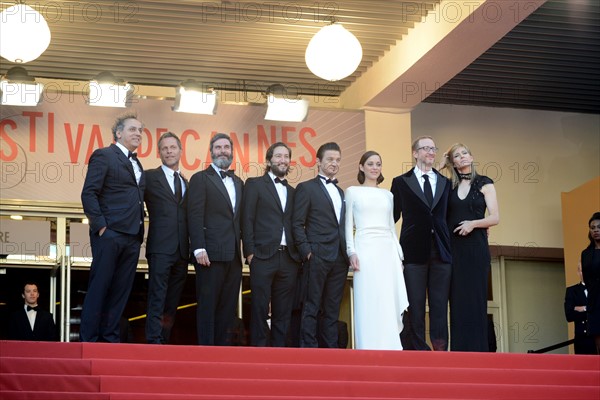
533, 156
535, 312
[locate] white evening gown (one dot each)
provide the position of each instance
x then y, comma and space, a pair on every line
379, 291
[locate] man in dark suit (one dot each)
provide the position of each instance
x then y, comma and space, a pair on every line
167, 246
421, 199
214, 208
576, 311
113, 201
31, 322
318, 228
269, 248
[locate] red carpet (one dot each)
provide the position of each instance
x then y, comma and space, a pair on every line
65, 371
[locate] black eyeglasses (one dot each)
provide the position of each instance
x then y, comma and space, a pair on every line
428, 149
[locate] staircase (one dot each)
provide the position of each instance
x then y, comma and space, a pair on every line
90, 371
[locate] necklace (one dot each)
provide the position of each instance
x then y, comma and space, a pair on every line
464, 176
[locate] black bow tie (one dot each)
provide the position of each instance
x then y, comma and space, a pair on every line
327, 180
132, 155
225, 174
282, 181
29, 308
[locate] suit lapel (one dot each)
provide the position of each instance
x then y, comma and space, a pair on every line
218, 182
237, 183
413, 183
162, 179
185, 185
328, 197
288, 194
123, 160
35, 322
25, 321
343, 209
439, 188
270, 185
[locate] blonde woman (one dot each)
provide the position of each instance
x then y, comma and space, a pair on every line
471, 195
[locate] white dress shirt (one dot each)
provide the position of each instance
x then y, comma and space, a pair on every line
336, 198
432, 178
136, 167
229, 185
169, 174
31, 314
282, 193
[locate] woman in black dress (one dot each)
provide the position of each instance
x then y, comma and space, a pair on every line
590, 268
471, 261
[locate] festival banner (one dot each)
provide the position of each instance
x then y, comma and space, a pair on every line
44, 150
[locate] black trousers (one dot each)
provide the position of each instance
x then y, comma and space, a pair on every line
272, 281
431, 279
115, 259
217, 293
167, 273
324, 291
584, 344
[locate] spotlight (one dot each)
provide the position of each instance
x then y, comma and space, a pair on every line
108, 91
20, 89
281, 107
191, 97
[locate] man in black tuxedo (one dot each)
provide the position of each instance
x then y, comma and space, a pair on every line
576, 312
318, 228
214, 209
113, 201
167, 246
31, 322
269, 248
421, 198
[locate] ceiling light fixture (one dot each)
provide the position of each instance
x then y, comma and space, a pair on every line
25, 34
333, 53
108, 91
20, 89
192, 97
281, 107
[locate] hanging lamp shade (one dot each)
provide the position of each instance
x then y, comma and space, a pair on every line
25, 34
17, 88
333, 53
193, 97
108, 91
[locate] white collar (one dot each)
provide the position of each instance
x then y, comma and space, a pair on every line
419, 173
169, 171
123, 149
218, 169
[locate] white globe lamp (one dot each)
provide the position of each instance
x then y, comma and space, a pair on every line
333, 53
24, 34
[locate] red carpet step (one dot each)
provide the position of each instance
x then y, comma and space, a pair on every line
36, 370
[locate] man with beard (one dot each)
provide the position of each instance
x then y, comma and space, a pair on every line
269, 248
214, 208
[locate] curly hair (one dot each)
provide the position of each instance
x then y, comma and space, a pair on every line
120, 122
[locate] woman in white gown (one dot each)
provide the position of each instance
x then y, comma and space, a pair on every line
376, 257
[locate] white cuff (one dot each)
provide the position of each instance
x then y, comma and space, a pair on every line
198, 251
